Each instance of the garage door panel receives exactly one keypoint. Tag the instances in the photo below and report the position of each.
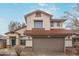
(50, 44)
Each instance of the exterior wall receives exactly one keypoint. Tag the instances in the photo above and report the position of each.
(44, 17)
(30, 24)
(28, 40)
(55, 25)
(68, 42)
(1, 43)
(28, 43)
(62, 24)
(8, 35)
(9, 40)
(21, 31)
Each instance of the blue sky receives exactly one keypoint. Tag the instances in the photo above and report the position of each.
(16, 11)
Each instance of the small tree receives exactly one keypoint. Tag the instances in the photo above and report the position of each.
(19, 25)
(14, 25)
(18, 50)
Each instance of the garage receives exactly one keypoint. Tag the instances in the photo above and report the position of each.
(55, 44)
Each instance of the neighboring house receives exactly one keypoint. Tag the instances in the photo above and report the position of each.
(42, 33)
(2, 41)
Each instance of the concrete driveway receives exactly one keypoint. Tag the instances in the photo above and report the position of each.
(29, 52)
(49, 54)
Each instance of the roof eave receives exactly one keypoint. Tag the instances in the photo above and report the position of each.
(36, 11)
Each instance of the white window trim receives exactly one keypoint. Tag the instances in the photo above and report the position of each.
(39, 26)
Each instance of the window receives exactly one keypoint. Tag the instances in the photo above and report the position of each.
(52, 24)
(38, 14)
(23, 42)
(29, 43)
(58, 24)
(13, 42)
(75, 42)
(38, 24)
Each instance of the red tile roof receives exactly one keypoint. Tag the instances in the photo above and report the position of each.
(58, 20)
(40, 32)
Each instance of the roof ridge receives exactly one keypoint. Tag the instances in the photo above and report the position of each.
(36, 11)
(19, 28)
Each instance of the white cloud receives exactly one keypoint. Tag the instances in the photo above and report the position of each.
(46, 10)
(73, 6)
(52, 9)
(55, 8)
(48, 7)
(42, 4)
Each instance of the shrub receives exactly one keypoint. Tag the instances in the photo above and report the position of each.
(18, 50)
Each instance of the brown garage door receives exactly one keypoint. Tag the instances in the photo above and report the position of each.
(48, 44)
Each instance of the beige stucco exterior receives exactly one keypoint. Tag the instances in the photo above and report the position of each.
(44, 17)
(18, 37)
(30, 24)
(68, 41)
(29, 43)
(21, 31)
(12, 35)
(55, 25)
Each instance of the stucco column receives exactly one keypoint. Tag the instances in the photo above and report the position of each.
(17, 41)
(68, 41)
(8, 43)
(28, 41)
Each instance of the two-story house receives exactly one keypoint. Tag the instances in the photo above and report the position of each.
(42, 33)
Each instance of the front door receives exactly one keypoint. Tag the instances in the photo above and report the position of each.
(13, 42)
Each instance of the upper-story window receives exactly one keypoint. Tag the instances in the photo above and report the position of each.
(38, 24)
(52, 24)
(58, 24)
(38, 14)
